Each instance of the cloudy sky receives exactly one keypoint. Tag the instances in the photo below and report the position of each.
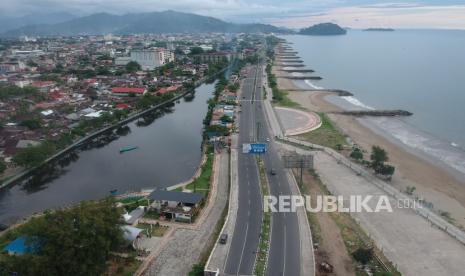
(289, 13)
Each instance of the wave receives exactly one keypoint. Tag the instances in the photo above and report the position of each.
(450, 154)
(309, 83)
(356, 102)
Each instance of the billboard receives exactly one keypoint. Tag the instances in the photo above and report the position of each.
(254, 148)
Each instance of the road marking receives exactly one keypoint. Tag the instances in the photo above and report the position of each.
(243, 247)
(284, 255)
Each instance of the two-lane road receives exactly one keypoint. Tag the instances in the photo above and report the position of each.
(244, 242)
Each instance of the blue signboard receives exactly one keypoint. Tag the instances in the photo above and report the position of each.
(254, 148)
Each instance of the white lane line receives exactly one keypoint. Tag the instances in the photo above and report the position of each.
(243, 247)
(284, 255)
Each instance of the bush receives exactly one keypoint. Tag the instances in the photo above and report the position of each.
(363, 255)
(356, 154)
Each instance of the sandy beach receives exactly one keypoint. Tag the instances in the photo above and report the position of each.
(432, 182)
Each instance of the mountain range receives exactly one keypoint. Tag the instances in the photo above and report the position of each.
(139, 23)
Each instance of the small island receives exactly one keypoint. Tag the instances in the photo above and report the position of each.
(379, 30)
(323, 29)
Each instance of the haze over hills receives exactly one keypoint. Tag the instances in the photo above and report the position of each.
(9, 23)
(153, 22)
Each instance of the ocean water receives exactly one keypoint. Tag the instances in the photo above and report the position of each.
(422, 71)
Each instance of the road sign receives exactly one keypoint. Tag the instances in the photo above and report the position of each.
(254, 148)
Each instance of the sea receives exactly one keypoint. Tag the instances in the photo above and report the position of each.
(421, 71)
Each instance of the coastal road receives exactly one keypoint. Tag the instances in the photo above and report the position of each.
(284, 256)
(244, 241)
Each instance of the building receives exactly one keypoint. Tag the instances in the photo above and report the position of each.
(178, 206)
(127, 91)
(152, 58)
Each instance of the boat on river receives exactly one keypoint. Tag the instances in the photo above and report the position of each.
(128, 148)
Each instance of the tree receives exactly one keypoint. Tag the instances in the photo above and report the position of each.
(363, 255)
(385, 170)
(75, 241)
(2, 167)
(356, 154)
(132, 67)
(378, 157)
(34, 155)
(31, 124)
(196, 50)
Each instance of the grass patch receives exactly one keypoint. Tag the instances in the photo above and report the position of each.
(263, 246)
(154, 230)
(178, 189)
(202, 183)
(327, 135)
(281, 98)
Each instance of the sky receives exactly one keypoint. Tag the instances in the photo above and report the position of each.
(286, 13)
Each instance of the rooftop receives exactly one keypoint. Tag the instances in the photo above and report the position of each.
(189, 198)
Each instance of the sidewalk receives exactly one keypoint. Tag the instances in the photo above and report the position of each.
(183, 246)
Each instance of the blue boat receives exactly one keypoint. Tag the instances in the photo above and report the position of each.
(128, 148)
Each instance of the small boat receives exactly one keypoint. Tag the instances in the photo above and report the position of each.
(128, 148)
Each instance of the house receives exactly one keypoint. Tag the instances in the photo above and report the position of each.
(134, 215)
(127, 91)
(179, 206)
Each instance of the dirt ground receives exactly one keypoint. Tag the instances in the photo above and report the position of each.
(331, 247)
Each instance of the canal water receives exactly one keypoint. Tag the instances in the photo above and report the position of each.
(168, 151)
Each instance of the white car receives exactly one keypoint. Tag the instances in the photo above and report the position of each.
(267, 139)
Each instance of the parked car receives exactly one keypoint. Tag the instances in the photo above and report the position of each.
(273, 172)
(223, 238)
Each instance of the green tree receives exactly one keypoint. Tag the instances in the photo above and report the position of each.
(34, 155)
(363, 255)
(356, 154)
(75, 241)
(2, 167)
(196, 50)
(378, 157)
(132, 67)
(31, 124)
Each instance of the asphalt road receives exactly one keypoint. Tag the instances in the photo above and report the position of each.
(244, 242)
(284, 256)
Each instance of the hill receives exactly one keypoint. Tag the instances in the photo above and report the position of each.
(323, 29)
(139, 23)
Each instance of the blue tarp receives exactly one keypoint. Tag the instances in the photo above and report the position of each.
(21, 246)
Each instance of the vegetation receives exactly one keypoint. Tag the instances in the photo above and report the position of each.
(2, 167)
(34, 155)
(202, 183)
(327, 135)
(279, 96)
(132, 67)
(378, 158)
(324, 29)
(262, 254)
(356, 154)
(75, 241)
(29, 92)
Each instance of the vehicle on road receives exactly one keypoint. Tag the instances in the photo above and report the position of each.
(273, 172)
(223, 238)
(267, 139)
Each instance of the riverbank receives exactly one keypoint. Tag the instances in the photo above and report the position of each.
(11, 180)
(432, 182)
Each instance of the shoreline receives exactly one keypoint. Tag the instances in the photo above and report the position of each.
(433, 182)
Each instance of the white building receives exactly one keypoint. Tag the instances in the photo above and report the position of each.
(152, 58)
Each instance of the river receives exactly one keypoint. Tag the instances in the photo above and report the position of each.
(169, 152)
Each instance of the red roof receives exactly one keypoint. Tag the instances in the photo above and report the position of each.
(43, 83)
(122, 105)
(168, 89)
(138, 90)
